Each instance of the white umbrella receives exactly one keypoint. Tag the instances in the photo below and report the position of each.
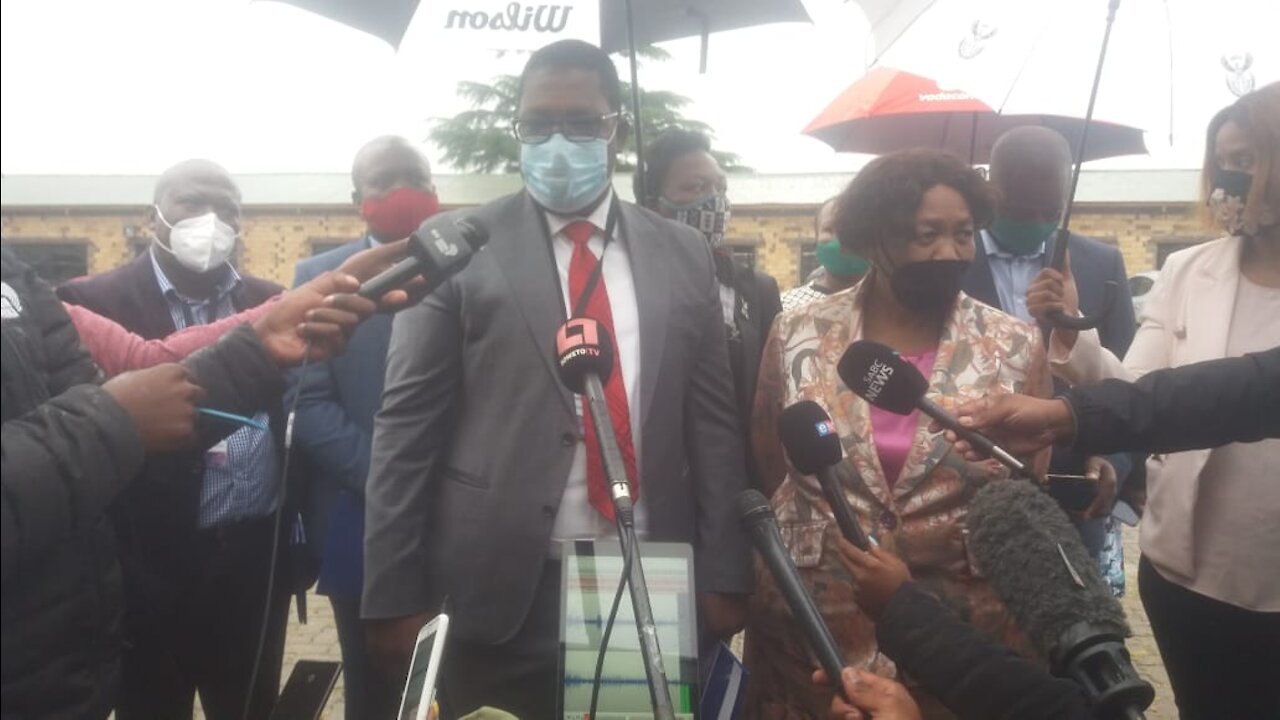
(1167, 59)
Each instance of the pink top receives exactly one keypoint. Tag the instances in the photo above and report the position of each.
(117, 350)
(894, 434)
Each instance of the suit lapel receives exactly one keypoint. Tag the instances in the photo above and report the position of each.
(645, 246)
(1212, 297)
(521, 248)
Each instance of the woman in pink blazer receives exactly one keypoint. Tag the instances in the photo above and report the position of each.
(1210, 570)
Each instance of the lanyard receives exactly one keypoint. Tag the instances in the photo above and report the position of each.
(580, 305)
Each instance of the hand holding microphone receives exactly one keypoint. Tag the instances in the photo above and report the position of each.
(1020, 423)
(440, 248)
(883, 378)
(811, 441)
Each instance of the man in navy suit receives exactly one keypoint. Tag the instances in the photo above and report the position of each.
(334, 422)
(1031, 170)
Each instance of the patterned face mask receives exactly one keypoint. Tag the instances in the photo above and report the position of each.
(1228, 199)
(709, 215)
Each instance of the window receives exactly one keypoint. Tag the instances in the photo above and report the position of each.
(55, 261)
(324, 245)
(745, 254)
(808, 260)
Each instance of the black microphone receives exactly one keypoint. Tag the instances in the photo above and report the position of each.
(813, 445)
(439, 248)
(882, 377)
(1027, 549)
(761, 525)
(584, 356)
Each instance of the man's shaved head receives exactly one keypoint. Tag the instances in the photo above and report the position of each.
(1031, 168)
(195, 171)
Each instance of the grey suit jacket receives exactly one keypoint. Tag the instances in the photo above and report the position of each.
(473, 444)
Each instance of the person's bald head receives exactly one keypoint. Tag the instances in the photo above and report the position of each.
(386, 163)
(193, 188)
(1031, 170)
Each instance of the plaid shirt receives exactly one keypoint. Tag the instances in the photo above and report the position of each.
(240, 476)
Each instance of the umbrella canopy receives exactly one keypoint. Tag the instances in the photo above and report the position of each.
(654, 20)
(1169, 59)
(888, 110)
(660, 20)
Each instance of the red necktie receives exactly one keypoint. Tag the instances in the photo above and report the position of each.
(581, 267)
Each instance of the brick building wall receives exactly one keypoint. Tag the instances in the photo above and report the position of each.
(275, 239)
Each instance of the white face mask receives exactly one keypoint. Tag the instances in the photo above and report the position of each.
(201, 243)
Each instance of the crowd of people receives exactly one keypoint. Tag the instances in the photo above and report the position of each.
(170, 482)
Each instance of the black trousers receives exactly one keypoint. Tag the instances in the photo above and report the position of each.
(368, 694)
(207, 644)
(1223, 661)
(519, 676)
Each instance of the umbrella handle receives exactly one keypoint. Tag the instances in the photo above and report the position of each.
(1110, 291)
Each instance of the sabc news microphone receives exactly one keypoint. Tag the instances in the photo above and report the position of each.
(813, 445)
(879, 375)
(762, 527)
(440, 247)
(1034, 560)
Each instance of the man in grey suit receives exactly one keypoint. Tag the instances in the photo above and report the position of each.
(481, 461)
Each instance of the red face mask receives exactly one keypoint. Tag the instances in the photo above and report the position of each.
(397, 214)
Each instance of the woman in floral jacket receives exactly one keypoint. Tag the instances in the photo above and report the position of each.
(914, 215)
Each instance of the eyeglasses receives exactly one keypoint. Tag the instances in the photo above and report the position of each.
(535, 131)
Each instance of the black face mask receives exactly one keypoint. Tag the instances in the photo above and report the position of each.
(928, 286)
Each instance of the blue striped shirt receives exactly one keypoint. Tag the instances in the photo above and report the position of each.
(240, 474)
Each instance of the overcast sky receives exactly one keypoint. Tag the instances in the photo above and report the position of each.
(132, 86)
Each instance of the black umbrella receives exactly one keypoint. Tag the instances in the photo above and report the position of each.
(624, 24)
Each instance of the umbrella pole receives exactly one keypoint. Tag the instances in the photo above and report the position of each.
(635, 102)
(659, 694)
(1064, 232)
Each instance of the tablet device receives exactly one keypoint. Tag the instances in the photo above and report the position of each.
(420, 687)
(589, 579)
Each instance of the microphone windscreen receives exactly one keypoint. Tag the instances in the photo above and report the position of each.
(809, 437)
(583, 347)
(882, 377)
(1019, 537)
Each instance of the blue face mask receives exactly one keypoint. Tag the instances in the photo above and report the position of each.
(565, 176)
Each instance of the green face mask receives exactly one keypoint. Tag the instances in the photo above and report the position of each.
(838, 263)
(1021, 237)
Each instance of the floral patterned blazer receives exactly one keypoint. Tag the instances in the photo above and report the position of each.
(921, 517)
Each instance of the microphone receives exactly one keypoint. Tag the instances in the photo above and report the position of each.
(879, 375)
(761, 525)
(439, 248)
(584, 356)
(1033, 558)
(813, 445)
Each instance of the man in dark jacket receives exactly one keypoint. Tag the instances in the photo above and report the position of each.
(1031, 169)
(197, 531)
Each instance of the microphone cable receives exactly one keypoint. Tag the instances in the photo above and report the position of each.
(275, 540)
(628, 532)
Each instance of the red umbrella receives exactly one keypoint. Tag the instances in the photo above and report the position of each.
(889, 110)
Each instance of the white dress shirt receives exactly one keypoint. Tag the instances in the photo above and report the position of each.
(576, 518)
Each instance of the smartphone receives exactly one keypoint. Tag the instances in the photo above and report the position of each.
(307, 690)
(420, 687)
(1074, 493)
